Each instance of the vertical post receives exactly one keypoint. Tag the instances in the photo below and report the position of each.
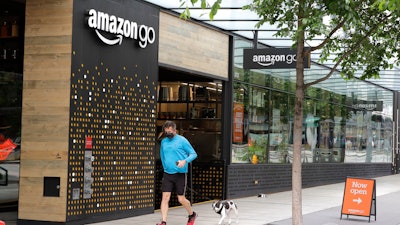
(396, 142)
(191, 182)
(255, 39)
(395, 135)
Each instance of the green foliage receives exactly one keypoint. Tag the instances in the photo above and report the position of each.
(361, 35)
(204, 5)
(391, 5)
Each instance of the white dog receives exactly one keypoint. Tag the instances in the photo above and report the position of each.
(224, 208)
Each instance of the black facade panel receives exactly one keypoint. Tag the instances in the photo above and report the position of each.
(250, 180)
(205, 182)
(51, 186)
(114, 76)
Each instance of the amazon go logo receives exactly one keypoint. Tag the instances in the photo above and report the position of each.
(120, 28)
(271, 58)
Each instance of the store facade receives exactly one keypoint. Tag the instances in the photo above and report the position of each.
(348, 129)
(93, 83)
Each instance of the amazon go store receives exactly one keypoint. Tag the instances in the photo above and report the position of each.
(87, 85)
(85, 89)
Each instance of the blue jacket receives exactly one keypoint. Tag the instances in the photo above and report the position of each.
(174, 149)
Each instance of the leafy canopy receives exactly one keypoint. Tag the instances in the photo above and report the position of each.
(358, 35)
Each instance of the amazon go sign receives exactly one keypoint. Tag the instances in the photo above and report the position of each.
(271, 58)
(119, 28)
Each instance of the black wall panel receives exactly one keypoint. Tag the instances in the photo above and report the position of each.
(112, 110)
(205, 183)
(250, 180)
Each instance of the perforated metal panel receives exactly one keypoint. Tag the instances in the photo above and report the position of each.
(115, 109)
(112, 115)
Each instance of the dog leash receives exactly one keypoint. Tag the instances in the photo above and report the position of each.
(199, 194)
(160, 170)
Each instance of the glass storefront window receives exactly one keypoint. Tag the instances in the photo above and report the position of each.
(368, 137)
(344, 121)
(253, 77)
(12, 17)
(258, 125)
(281, 127)
(10, 115)
(283, 84)
(251, 124)
(240, 124)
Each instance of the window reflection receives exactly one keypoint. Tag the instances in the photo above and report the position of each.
(258, 125)
(368, 138)
(281, 127)
(10, 115)
(344, 121)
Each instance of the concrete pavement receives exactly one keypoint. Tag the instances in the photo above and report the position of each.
(321, 206)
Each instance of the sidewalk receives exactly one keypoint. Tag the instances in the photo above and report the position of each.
(387, 214)
(321, 206)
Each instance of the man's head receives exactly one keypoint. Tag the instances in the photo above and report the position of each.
(169, 128)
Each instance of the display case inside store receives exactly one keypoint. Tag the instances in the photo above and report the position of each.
(189, 101)
(196, 109)
(11, 36)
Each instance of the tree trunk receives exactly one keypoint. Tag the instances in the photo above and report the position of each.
(297, 143)
(297, 216)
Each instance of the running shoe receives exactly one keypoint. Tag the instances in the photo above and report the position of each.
(192, 218)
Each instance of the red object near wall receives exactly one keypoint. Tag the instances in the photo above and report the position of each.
(6, 148)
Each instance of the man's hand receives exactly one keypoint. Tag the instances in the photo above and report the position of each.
(180, 163)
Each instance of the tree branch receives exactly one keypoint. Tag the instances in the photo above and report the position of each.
(338, 26)
(352, 49)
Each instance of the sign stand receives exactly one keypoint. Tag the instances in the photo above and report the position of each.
(359, 198)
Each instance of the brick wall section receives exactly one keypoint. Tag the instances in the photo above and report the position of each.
(245, 180)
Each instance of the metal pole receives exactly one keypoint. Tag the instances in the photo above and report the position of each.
(255, 39)
(191, 182)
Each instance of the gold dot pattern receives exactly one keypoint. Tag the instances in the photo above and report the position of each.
(116, 108)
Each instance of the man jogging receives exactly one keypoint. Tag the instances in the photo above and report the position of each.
(176, 153)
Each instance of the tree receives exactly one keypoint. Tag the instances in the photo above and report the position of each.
(361, 36)
(391, 5)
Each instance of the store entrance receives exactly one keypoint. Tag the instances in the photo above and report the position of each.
(194, 103)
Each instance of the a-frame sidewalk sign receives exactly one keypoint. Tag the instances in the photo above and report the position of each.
(359, 198)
